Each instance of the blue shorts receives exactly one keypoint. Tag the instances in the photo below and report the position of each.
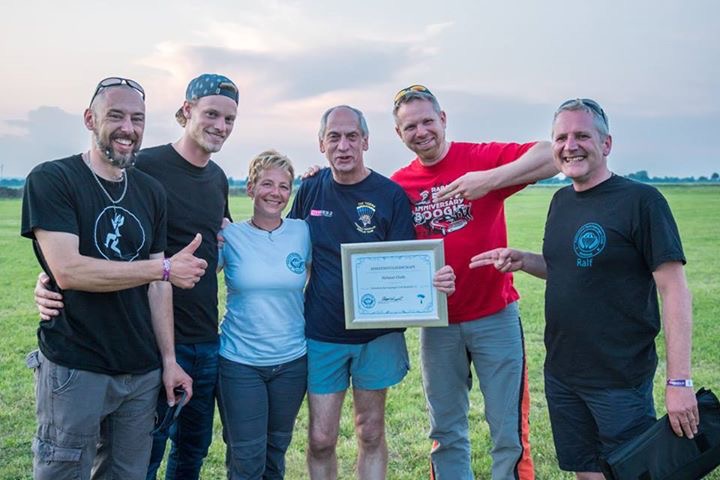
(378, 364)
(589, 422)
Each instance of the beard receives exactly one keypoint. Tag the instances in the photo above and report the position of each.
(205, 144)
(116, 159)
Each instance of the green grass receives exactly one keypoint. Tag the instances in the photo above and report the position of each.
(697, 210)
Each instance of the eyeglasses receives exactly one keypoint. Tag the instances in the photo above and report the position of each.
(114, 82)
(399, 96)
(589, 103)
(171, 414)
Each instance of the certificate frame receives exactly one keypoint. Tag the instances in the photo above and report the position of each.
(374, 292)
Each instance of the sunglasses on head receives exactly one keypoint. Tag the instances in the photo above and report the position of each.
(399, 96)
(171, 414)
(114, 82)
(589, 103)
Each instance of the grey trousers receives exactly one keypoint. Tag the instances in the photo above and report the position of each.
(92, 425)
(495, 345)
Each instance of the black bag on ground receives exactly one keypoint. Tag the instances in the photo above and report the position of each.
(659, 454)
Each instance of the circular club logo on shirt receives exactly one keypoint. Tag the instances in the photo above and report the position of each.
(119, 235)
(589, 240)
(295, 263)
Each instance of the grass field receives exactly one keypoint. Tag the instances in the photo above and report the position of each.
(697, 210)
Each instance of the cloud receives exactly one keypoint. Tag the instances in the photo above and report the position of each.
(499, 72)
(47, 133)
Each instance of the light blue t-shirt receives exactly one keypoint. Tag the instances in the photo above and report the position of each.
(265, 273)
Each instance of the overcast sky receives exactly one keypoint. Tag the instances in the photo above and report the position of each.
(499, 69)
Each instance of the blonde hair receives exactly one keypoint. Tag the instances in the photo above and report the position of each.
(267, 160)
(180, 115)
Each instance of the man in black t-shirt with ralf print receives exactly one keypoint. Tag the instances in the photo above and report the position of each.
(610, 245)
(99, 232)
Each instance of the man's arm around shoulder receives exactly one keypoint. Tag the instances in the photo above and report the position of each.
(535, 164)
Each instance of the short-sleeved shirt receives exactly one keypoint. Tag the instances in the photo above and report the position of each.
(466, 227)
(197, 200)
(601, 247)
(373, 210)
(265, 273)
(110, 332)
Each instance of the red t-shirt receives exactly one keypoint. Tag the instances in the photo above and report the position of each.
(467, 227)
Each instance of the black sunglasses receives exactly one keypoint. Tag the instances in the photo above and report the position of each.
(589, 103)
(114, 82)
(171, 414)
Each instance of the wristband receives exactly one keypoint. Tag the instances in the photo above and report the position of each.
(166, 269)
(679, 382)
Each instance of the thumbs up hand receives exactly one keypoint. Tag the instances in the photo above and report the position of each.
(185, 268)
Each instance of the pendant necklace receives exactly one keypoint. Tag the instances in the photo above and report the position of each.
(269, 232)
(124, 179)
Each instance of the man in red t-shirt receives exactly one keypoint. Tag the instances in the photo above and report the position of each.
(484, 318)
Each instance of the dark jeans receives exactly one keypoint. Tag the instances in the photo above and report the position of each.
(258, 406)
(192, 433)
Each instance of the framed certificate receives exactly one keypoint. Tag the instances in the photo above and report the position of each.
(389, 284)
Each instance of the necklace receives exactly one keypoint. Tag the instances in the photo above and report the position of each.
(252, 222)
(107, 194)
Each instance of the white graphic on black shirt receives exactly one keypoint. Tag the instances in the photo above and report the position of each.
(365, 211)
(119, 235)
(113, 238)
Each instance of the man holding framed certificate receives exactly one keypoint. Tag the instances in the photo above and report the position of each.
(349, 203)
(484, 322)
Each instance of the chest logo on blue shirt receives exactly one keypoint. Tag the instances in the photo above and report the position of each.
(365, 211)
(589, 241)
(295, 263)
(119, 235)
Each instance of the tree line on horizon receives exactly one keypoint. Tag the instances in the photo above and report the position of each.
(12, 187)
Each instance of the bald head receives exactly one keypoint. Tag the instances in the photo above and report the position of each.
(116, 117)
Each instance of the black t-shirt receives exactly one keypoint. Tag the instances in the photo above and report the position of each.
(374, 210)
(601, 307)
(109, 333)
(197, 200)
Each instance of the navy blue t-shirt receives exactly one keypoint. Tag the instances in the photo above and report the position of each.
(333, 211)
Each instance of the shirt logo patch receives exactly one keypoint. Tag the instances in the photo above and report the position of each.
(295, 263)
(115, 232)
(321, 213)
(365, 211)
(440, 217)
(589, 241)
